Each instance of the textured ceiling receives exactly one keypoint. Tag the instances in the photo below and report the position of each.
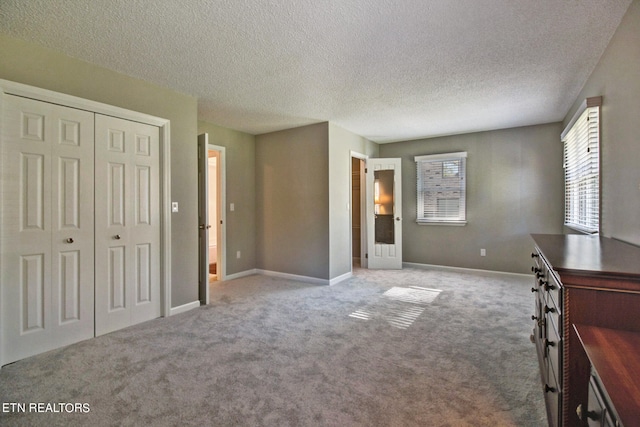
(387, 70)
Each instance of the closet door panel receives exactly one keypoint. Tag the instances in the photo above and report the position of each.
(143, 274)
(32, 191)
(32, 293)
(115, 194)
(116, 278)
(72, 180)
(127, 223)
(70, 290)
(47, 226)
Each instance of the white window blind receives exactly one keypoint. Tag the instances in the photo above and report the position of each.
(581, 141)
(441, 187)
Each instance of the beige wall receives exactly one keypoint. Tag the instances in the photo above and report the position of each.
(341, 144)
(292, 199)
(36, 66)
(617, 79)
(514, 188)
(240, 151)
(291, 188)
(303, 192)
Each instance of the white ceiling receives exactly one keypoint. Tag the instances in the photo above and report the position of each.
(387, 70)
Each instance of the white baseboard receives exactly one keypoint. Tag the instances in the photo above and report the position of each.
(461, 269)
(240, 274)
(185, 307)
(339, 279)
(306, 279)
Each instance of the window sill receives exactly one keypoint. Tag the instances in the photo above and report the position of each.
(450, 223)
(581, 229)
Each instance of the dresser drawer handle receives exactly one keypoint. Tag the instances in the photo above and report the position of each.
(592, 415)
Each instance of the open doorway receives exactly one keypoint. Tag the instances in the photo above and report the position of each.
(358, 211)
(213, 161)
(211, 215)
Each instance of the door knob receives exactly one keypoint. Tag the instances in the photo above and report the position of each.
(397, 218)
(69, 240)
(203, 227)
(117, 237)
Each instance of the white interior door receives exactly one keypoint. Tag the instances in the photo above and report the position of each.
(47, 235)
(127, 219)
(203, 218)
(384, 213)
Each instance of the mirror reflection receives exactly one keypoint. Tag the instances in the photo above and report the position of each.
(383, 206)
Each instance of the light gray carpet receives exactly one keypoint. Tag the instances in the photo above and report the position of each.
(274, 352)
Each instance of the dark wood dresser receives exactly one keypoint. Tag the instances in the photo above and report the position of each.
(582, 280)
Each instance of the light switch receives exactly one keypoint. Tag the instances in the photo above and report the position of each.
(174, 206)
(232, 207)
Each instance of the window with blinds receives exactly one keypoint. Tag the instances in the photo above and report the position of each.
(581, 141)
(441, 186)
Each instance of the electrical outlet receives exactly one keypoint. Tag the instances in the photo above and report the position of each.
(483, 252)
(238, 254)
(232, 207)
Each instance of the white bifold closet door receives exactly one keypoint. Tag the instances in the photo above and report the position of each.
(47, 243)
(127, 223)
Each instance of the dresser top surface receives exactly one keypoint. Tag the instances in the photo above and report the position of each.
(615, 358)
(580, 254)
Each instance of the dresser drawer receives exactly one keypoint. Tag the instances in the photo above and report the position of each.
(552, 315)
(597, 414)
(553, 290)
(551, 286)
(553, 352)
(552, 396)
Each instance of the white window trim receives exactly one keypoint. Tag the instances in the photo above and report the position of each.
(436, 157)
(594, 227)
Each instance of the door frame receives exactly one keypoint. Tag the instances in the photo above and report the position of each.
(363, 211)
(45, 95)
